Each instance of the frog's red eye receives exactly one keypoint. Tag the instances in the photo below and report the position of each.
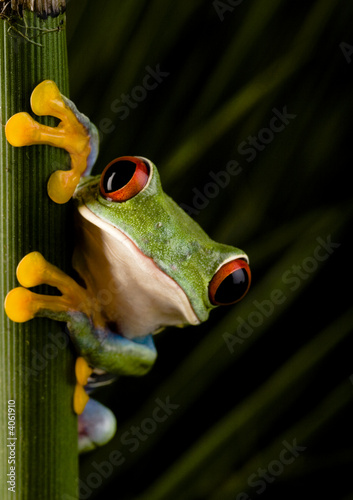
(124, 178)
(230, 283)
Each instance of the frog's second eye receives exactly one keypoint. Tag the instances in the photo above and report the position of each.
(124, 178)
(230, 283)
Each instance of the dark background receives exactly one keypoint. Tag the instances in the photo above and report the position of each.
(228, 68)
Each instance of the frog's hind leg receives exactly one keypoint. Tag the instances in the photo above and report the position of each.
(98, 346)
(96, 426)
(75, 133)
(22, 305)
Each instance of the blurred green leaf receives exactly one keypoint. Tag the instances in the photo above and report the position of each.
(291, 376)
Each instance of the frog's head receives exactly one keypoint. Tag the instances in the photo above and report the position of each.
(153, 264)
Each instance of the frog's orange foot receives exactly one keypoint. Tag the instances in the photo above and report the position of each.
(75, 133)
(22, 305)
(19, 305)
(82, 371)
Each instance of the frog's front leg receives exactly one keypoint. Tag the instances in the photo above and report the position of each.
(97, 346)
(75, 133)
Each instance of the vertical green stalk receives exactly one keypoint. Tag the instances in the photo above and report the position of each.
(36, 365)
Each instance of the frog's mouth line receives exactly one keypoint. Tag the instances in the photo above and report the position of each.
(145, 298)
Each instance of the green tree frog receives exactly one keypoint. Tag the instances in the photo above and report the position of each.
(143, 263)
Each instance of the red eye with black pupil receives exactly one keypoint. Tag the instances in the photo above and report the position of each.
(124, 178)
(230, 283)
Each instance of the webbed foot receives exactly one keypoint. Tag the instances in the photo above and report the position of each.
(75, 133)
(22, 305)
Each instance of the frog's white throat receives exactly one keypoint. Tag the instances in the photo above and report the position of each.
(134, 294)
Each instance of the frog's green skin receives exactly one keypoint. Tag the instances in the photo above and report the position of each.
(145, 265)
(161, 232)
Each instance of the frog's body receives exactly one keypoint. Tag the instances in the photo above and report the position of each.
(143, 263)
(137, 285)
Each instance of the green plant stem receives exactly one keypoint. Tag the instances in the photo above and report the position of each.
(36, 365)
